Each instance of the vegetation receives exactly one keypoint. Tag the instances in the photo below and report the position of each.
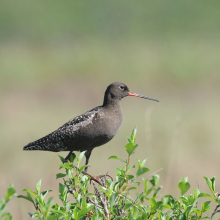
(9, 194)
(57, 58)
(112, 198)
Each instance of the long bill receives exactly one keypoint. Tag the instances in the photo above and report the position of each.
(141, 96)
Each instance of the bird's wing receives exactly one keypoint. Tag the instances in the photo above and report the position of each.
(55, 141)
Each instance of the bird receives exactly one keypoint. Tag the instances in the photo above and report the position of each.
(91, 129)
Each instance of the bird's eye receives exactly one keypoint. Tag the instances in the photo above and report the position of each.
(121, 87)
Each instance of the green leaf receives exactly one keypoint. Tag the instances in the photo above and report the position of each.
(84, 211)
(31, 192)
(182, 217)
(67, 166)
(62, 188)
(156, 192)
(141, 164)
(127, 205)
(130, 147)
(72, 157)
(141, 171)
(205, 195)
(59, 212)
(129, 177)
(116, 158)
(7, 216)
(107, 193)
(62, 159)
(79, 158)
(135, 212)
(152, 202)
(69, 174)
(76, 213)
(28, 197)
(211, 184)
(60, 175)
(45, 208)
(132, 188)
(83, 167)
(189, 208)
(113, 199)
(183, 187)
(155, 179)
(198, 212)
(90, 194)
(206, 206)
(37, 187)
(10, 193)
(185, 179)
(44, 193)
(128, 139)
(196, 193)
(48, 201)
(133, 135)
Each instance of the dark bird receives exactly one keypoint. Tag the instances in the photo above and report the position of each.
(91, 129)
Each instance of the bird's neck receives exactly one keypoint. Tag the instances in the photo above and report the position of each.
(110, 101)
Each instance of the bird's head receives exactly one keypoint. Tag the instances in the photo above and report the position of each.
(116, 91)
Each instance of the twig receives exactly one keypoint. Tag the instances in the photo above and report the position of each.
(69, 189)
(85, 173)
(123, 202)
(155, 172)
(104, 184)
(134, 202)
(93, 202)
(125, 189)
(102, 202)
(197, 184)
(120, 210)
(38, 208)
(215, 211)
(129, 157)
(197, 201)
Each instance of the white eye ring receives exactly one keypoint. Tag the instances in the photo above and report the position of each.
(121, 87)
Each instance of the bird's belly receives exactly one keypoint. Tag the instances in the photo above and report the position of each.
(96, 134)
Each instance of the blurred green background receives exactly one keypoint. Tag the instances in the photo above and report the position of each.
(58, 57)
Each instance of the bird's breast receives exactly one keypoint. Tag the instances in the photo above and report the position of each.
(101, 128)
(112, 122)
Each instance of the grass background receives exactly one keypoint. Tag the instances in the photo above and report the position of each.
(58, 57)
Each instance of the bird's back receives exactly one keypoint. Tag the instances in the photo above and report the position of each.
(84, 132)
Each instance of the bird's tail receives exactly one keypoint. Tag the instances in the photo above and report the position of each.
(47, 143)
(46, 146)
(32, 147)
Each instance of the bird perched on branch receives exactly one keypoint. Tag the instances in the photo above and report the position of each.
(90, 129)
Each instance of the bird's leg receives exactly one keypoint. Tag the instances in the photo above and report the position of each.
(68, 156)
(94, 178)
(87, 155)
(87, 160)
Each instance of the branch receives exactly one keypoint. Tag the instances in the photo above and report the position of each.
(134, 201)
(215, 211)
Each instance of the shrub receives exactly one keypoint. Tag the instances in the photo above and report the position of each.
(9, 194)
(111, 198)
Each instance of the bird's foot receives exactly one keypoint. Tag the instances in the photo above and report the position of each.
(96, 178)
(92, 178)
(67, 161)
